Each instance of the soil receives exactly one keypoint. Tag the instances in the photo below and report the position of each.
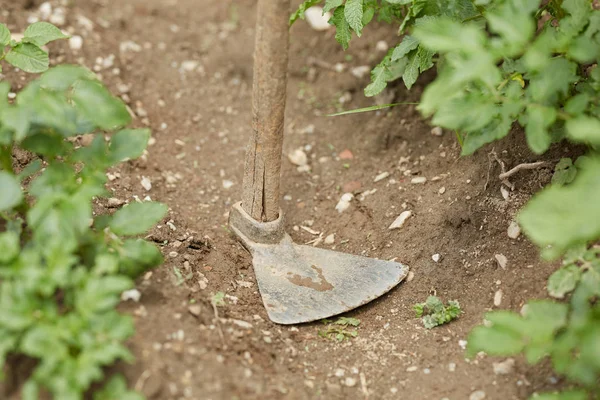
(190, 80)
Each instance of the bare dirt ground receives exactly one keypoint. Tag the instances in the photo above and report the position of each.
(185, 69)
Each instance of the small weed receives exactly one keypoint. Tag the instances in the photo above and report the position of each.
(218, 299)
(340, 329)
(434, 313)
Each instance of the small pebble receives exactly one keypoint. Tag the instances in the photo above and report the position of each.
(412, 369)
(504, 192)
(436, 257)
(227, 184)
(442, 190)
(410, 276)
(318, 20)
(477, 395)
(195, 309)
(75, 42)
(452, 367)
(381, 176)
(501, 260)
(350, 382)
(339, 372)
(361, 71)
(382, 46)
(437, 131)
(344, 202)
(505, 367)
(346, 155)
(298, 157)
(399, 222)
(330, 239)
(146, 183)
(514, 230)
(132, 294)
(498, 298)
(418, 180)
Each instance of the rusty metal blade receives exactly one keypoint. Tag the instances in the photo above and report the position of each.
(302, 283)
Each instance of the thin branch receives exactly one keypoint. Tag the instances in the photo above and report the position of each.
(508, 174)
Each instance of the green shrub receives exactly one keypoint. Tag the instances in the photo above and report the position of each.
(501, 63)
(63, 267)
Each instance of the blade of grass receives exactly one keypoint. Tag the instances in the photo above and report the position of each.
(367, 109)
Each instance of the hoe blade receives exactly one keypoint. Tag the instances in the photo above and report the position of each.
(303, 283)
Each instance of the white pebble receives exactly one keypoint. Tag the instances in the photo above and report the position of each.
(75, 42)
(350, 382)
(462, 344)
(330, 239)
(437, 131)
(361, 71)
(504, 192)
(316, 19)
(436, 257)
(410, 276)
(344, 202)
(132, 294)
(418, 180)
(298, 157)
(501, 260)
(477, 395)
(442, 190)
(399, 222)
(452, 367)
(381, 176)
(340, 372)
(146, 183)
(505, 367)
(382, 46)
(412, 369)
(227, 184)
(514, 230)
(498, 298)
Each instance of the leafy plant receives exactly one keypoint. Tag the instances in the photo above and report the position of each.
(63, 266)
(502, 63)
(434, 313)
(28, 53)
(339, 330)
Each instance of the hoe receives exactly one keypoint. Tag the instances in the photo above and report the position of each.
(297, 283)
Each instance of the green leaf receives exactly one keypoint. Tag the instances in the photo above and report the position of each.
(584, 129)
(567, 395)
(11, 194)
(137, 218)
(367, 109)
(497, 341)
(564, 172)
(9, 246)
(128, 144)
(342, 29)
(101, 294)
(218, 299)
(41, 33)
(513, 23)
(30, 390)
(299, 13)
(116, 389)
(353, 12)
(384, 72)
(577, 104)
(539, 119)
(28, 57)
(497, 129)
(17, 119)
(408, 43)
(444, 34)
(331, 4)
(96, 103)
(553, 81)
(563, 281)
(62, 77)
(138, 256)
(4, 37)
(411, 73)
(559, 216)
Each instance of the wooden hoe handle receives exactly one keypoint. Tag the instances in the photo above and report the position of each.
(260, 197)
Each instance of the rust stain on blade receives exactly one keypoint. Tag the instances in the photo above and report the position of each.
(321, 285)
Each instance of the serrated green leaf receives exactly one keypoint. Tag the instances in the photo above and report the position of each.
(28, 57)
(383, 73)
(552, 81)
(11, 194)
(444, 34)
(101, 294)
(128, 144)
(96, 103)
(411, 72)
(368, 14)
(513, 22)
(353, 13)
(137, 218)
(408, 43)
(539, 119)
(4, 37)
(563, 281)
(41, 33)
(17, 119)
(559, 216)
(331, 4)
(342, 29)
(584, 129)
(564, 172)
